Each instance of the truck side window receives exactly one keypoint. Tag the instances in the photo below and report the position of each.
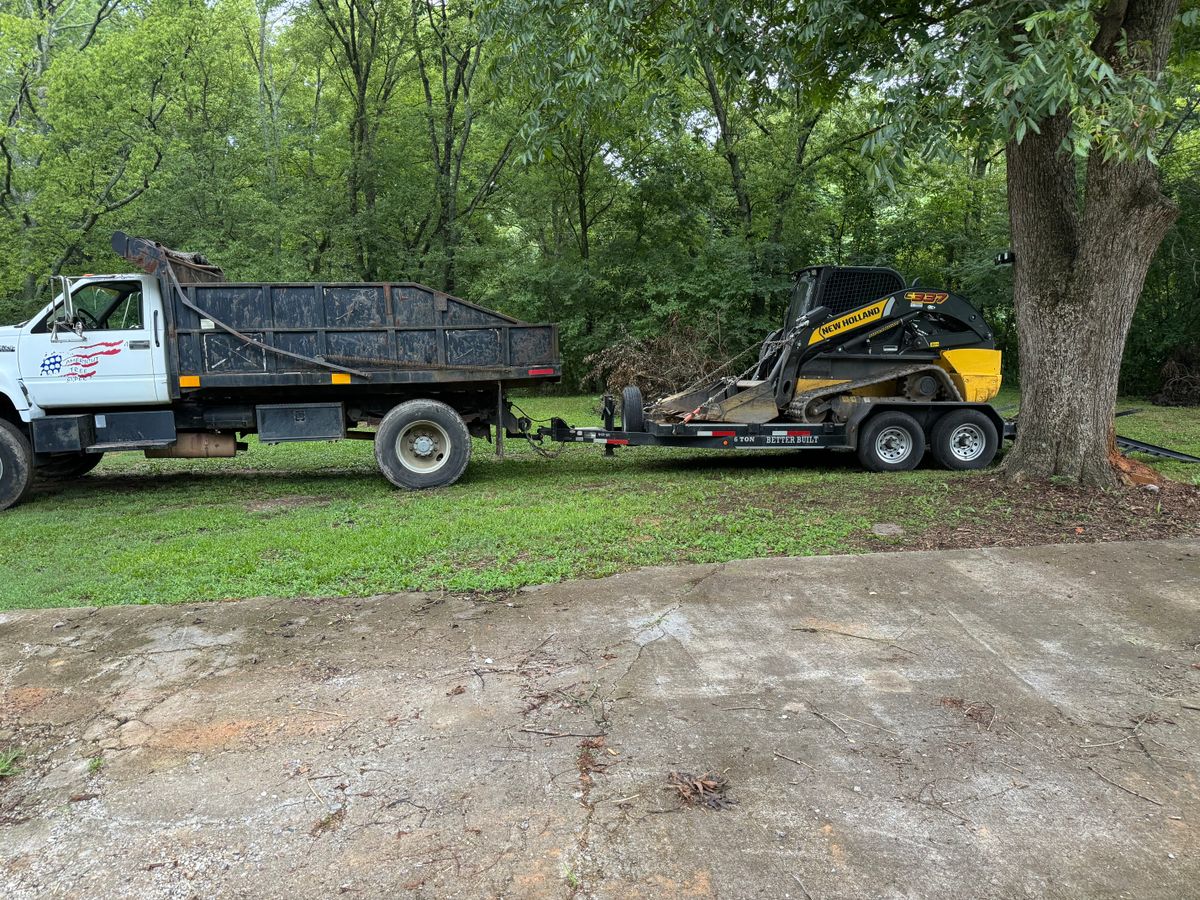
(113, 306)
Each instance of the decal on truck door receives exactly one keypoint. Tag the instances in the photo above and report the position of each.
(83, 362)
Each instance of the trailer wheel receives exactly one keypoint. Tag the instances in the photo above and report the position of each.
(67, 467)
(16, 465)
(891, 442)
(964, 439)
(633, 413)
(422, 444)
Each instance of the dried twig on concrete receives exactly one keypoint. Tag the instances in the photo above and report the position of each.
(320, 799)
(868, 724)
(1122, 787)
(798, 762)
(561, 734)
(850, 634)
(825, 718)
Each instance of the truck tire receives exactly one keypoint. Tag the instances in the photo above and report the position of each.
(964, 439)
(16, 465)
(422, 444)
(891, 442)
(633, 413)
(67, 467)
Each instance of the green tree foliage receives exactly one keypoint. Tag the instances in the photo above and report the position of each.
(610, 166)
(1077, 94)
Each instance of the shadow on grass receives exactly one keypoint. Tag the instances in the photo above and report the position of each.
(631, 467)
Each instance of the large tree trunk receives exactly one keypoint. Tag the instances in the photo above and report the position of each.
(1077, 283)
(1082, 253)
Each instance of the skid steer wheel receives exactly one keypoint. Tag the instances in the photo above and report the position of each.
(16, 465)
(422, 444)
(633, 414)
(67, 467)
(964, 439)
(891, 442)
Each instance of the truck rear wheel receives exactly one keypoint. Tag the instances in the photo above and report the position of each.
(67, 467)
(16, 465)
(422, 444)
(891, 442)
(964, 439)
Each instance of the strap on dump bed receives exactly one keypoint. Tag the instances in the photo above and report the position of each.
(156, 259)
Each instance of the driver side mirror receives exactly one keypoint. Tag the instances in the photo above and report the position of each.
(64, 325)
(65, 320)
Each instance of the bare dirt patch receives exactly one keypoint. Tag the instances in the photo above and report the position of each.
(1025, 515)
(987, 511)
(23, 700)
(283, 504)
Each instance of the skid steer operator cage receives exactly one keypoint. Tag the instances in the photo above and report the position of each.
(841, 289)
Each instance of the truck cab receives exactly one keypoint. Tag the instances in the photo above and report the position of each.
(99, 344)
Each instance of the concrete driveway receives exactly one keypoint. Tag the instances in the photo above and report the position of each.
(953, 724)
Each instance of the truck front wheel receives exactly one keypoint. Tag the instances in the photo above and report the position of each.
(67, 467)
(422, 444)
(16, 465)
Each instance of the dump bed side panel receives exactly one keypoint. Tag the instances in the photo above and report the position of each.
(393, 333)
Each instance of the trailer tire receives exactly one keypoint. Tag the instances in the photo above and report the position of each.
(67, 467)
(422, 444)
(891, 442)
(16, 465)
(633, 412)
(964, 439)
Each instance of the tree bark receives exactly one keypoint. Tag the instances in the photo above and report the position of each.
(729, 150)
(1083, 245)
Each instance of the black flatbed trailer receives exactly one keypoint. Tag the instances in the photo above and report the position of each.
(799, 436)
(783, 435)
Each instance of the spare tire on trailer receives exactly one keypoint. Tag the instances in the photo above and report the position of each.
(633, 413)
(422, 444)
(16, 465)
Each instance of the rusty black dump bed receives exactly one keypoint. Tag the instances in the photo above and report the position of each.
(227, 334)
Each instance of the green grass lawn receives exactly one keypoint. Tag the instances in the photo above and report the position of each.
(318, 519)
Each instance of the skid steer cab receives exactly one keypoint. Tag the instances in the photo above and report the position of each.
(176, 361)
(860, 363)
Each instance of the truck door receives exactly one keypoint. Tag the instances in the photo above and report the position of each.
(114, 355)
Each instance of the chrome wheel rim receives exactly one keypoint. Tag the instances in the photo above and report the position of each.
(967, 442)
(893, 444)
(423, 447)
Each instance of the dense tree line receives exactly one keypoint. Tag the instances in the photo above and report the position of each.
(427, 140)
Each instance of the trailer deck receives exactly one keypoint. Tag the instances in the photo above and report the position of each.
(749, 436)
(782, 435)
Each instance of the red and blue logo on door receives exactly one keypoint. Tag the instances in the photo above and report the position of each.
(83, 362)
